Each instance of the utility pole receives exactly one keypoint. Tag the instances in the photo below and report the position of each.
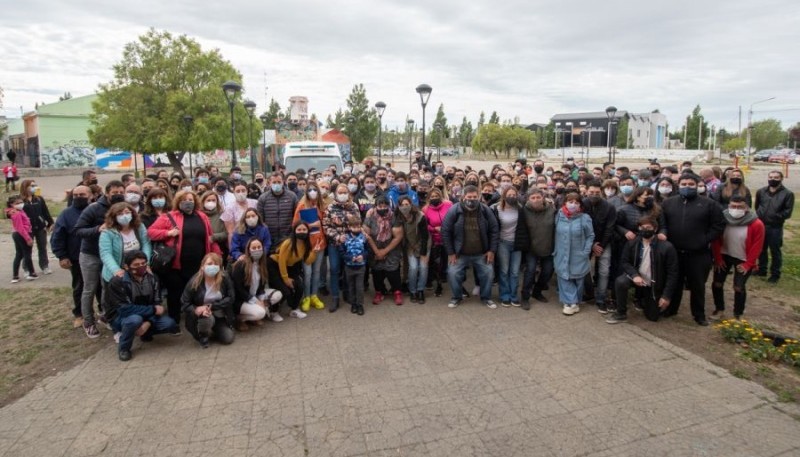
(740, 120)
(700, 133)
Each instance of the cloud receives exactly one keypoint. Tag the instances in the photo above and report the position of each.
(520, 58)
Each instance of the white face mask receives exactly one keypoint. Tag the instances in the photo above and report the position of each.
(241, 196)
(736, 213)
(665, 190)
(312, 194)
(210, 206)
(572, 207)
(19, 206)
(186, 188)
(342, 198)
(610, 192)
(251, 221)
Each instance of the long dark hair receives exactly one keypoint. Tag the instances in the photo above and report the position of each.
(247, 262)
(293, 239)
(414, 209)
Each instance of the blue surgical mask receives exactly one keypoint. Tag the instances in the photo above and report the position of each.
(124, 219)
(626, 189)
(211, 270)
(276, 188)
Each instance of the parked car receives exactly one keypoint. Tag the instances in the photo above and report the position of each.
(784, 156)
(763, 155)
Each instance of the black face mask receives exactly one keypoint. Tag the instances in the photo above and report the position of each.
(80, 202)
(221, 189)
(260, 180)
(736, 181)
(449, 176)
(649, 202)
(538, 170)
(116, 198)
(93, 182)
(422, 195)
(301, 236)
(436, 201)
(472, 183)
(487, 196)
(560, 190)
(471, 204)
(647, 234)
(382, 211)
(381, 180)
(774, 182)
(292, 185)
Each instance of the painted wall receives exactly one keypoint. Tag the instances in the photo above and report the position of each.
(63, 142)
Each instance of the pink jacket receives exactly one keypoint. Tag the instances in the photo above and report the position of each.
(435, 217)
(20, 223)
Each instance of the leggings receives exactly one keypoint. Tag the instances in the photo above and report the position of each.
(22, 255)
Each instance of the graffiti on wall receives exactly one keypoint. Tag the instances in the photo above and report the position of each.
(76, 153)
(286, 132)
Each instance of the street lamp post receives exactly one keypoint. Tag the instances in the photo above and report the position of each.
(611, 113)
(380, 107)
(187, 122)
(750, 124)
(231, 88)
(250, 106)
(424, 92)
(410, 128)
(264, 119)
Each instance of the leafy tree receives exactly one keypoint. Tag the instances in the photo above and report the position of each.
(160, 79)
(794, 132)
(734, 144)
(361, 122)
(437, 136)
(273, 113)
(694, 124)
(495, 138)
(481, 119)
(766, 134)
(494, 118)
(622, 138)
(465, 132)
(66, 96)
(547, 139)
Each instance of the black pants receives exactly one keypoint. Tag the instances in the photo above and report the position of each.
(354, 277)
(291, 296)
(213, 326)
(378, 277)
(773, 242)
(13, 183)
(646, 297)
(437, 269)
(40, 236)
(739, 285)
(23, 254)
(175, 282)
(693, 270)
(77, 287)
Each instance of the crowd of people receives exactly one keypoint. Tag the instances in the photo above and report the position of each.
(224, 255)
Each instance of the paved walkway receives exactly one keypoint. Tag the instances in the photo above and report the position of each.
(411, 380)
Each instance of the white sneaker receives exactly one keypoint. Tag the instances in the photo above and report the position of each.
(476, 291)
(575, 308)
(116, 337)
(568, 310)
(490, 304)
(276, 317)
(31, 277)
(14, 280)
(298, 314)
(47, 271)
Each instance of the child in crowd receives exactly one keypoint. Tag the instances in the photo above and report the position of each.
(21, 234)
(354, 251)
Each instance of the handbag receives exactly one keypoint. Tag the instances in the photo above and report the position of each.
(163, 253)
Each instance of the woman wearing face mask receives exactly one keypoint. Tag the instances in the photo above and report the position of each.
(641, 203)
(250, 226)
(613, 195)
(416, 243)
(334, 223)
(734, 185)
(384, 234)
(213, 210)
(124, 233)
(455, 190)
(187, 229)
(325, 192)
(175, 182)
(665, 189)
(353, 186)
(233, 213)
(186, 185)
(286, 267)
(154, 206)
(41, 221)
(573, 246)
(434, 212)
(249, 277)
(310, 207)
(507, 212)
(207, 303)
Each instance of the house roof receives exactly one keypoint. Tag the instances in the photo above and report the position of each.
(76, 106)
(584, 116)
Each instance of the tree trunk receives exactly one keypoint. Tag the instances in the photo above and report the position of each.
(175, 159)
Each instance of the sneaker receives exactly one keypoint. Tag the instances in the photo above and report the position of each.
(516, 303)
(316, 302)
(125, 355)
(505, 303)
(14, 280)
(91, 331)
(116, 337)
(398, 298)
(717, 315)
(438, 291)
(77, 322)
(616, 318)
(575, 308)
(102, 319)
(702, 322)
(276, 317)
(360, 310)
(298, 314)
(602, 309)
(412, 297)
(490, 304)
(305, 305)
(526, 304)
(454, 303)
(570, 309)
(539, 297)
(47, 271)
(31, 277)
(378, 298)
(421, 298)
(476, 290)
(773, 279)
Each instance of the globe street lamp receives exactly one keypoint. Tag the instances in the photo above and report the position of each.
(611, 112)
(187, 122)
(380, 107)
(231, 88)
(424, 92)
(264, 119)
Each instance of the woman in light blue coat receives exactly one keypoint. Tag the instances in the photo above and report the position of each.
(573, 248)
(124, 232)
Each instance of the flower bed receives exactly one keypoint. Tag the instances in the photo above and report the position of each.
(757, 346)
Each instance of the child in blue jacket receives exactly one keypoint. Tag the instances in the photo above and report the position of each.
(354, 253)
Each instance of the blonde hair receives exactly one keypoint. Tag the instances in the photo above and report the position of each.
(200, 275)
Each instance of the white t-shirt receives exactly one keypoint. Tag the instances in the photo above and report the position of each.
(130, 242)
(233, 213)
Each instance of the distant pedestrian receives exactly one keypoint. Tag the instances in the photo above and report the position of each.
(12, 156)
(10, 173)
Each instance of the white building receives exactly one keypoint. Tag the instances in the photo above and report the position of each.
(647, 131)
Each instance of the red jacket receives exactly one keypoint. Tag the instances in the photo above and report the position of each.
(752, 245)
(162, 225)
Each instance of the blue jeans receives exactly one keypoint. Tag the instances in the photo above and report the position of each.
(312, 275)
(508, 261)
(335, 268)
(91, 267)
(417, 273)
(773, 241)
(532, 261)
(129, 324)
(456, 274)
(570, 291)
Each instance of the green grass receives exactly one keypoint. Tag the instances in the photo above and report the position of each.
(740, 373)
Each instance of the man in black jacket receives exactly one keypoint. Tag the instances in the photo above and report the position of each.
(604, 223)
(692, 224)
(535, 236)
(649, 265)
(66, 246)
(774, 205)
(276, 207)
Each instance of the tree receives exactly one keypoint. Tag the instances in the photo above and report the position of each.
(623, 138)
(766, 134)
(438, 135)
(494, 118)
(465, 132)
(160, 79)
(361, 122)
(497, 138)
(734, 144)
(273, 113)
(693, 124)
(547, 139)
(481, 119)
(66, 96)
(794, 132)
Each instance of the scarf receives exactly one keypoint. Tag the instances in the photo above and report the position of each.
(384, 226)
(747, 219)
(568, 213)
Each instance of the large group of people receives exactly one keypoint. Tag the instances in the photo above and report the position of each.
(223, 255)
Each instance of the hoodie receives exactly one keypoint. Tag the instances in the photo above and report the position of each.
(753, 242)
(20, 223)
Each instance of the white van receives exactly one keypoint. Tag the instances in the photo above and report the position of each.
(312, 154)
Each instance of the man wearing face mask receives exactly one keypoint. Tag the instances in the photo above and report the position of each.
(401, 189)
(133, 196)
(649, 265)
(738, 248)
(235, 177)
(276, 207)
(66, 246)
(470, 235)
(291, 184)
(604, 222)
(88, 227)
(535, 237)
(774, 205)
(225, 196)
(691, 225)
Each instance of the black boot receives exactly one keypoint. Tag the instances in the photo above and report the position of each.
(421, 297)
(353, 309)
(360, 310)
(335, 305)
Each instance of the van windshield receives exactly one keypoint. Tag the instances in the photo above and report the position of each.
(307, 162)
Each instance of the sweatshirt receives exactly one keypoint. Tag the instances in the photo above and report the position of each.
(20, 223)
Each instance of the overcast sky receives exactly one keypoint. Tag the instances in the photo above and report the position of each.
(530, 59)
